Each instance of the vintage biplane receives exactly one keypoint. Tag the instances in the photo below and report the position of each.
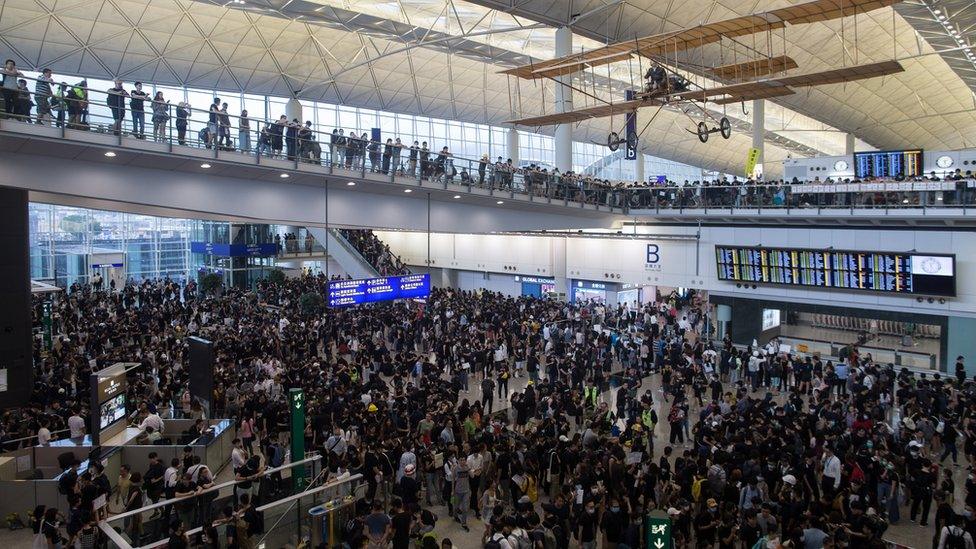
(756, 72)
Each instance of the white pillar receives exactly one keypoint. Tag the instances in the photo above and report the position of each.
(759, 130)
(563, 141)
(639, 167)
(513, 146)
(849, 145)
(293, 110)
(558, 261)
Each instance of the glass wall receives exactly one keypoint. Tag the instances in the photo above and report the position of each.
(464, 139)
(62, 238)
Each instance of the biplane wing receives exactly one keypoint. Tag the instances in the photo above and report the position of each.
(755, 69)
(693, 37)
(578, 115)
(723, 95)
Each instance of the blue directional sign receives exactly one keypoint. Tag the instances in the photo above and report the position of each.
(343, 293)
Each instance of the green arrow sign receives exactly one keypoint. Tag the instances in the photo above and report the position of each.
(296, 403)
(658, 530)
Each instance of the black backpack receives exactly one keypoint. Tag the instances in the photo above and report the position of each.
(956, 538)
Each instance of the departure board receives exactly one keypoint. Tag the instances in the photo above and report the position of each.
(888, 163)
(893, 272)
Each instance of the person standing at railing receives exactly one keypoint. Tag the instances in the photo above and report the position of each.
(338, 147)
(482, 168)
(10, 91)
(160, 117)
(277, 132)
(412, 159)
(244, 132)
(77, 99)
(374, 154)
(352, 146)
(182, 117)
(223, 129)
(397, 148)
(42, 96)
(387, 155)
(264, 140)
(116, 103)
(424, 160)
(291, 139)
(137, 104)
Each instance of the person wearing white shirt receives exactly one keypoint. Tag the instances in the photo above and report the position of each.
(152, 420)
(238, 456)
(831, 471)
(76, 424)
(955, 532)
(44, 434)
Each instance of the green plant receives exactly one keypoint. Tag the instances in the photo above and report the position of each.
(211, 283)
(276, 276)
(311, 303)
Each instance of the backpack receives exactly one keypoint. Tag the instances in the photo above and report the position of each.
(544, 536)
(520, 540)
(956, 538)
(492, 542)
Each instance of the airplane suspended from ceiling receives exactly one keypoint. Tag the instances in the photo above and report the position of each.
(751, 74)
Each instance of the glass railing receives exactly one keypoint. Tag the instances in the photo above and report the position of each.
(149, 525)
(234, 138)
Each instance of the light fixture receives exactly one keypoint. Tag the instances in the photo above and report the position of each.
(937, 12)
(205, 166)
(408, 190)
(457, 196)
(110, 154)
(500, 202)
(351, 184)
(284, 176)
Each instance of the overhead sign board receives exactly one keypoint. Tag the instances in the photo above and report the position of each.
(343, 293)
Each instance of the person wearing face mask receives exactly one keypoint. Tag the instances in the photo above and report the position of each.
(706, 523)
(614, 524)
(586, 526)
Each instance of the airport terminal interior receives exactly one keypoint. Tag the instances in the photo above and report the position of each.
(487, 274)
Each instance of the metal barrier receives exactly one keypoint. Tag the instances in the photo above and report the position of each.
(79, 108)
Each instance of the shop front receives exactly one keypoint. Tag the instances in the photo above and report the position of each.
(535, 286)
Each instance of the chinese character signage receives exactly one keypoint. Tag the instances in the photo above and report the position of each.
(343, 293)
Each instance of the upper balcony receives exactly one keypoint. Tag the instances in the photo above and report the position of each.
(280, 154)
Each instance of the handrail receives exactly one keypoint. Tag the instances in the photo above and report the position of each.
(549, 187)
(214, 488)
(6, 442)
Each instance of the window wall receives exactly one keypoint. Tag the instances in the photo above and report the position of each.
(62, 238)
(464, 140)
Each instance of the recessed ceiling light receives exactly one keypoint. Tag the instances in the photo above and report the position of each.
(284, 176)
(457, 196)
(937, 12)
(110, 154)
(408, 190)
(500, 202)
(351, 183)
(205, 166)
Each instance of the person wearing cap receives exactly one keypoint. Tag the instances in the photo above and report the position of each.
(408, 487)
(706, 524)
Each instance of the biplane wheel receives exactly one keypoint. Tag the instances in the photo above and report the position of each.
(613, 141)
(632, 141)
(703, 132)
(725, 127)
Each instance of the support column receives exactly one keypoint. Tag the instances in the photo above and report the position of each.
(558, 262)
(563, 141)
(849, 145)
(293, 110)
(513, 146)
(639, 167)
(759, 131)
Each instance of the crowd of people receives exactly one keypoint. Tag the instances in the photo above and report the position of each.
(355, 150)
(741, 446)
(376, 252)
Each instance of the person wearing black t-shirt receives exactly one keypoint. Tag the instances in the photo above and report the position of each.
(402, 521)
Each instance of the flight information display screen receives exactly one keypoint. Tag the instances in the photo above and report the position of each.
(906, 163)
(894, 272)
(342, 293)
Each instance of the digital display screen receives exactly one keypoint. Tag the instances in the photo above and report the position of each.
(888, 163)
(111, 410)
(343, 293)
(893, 272)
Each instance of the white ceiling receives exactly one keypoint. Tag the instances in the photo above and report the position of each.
(434, 57)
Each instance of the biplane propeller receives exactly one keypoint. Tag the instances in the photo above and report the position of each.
(760, 77)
